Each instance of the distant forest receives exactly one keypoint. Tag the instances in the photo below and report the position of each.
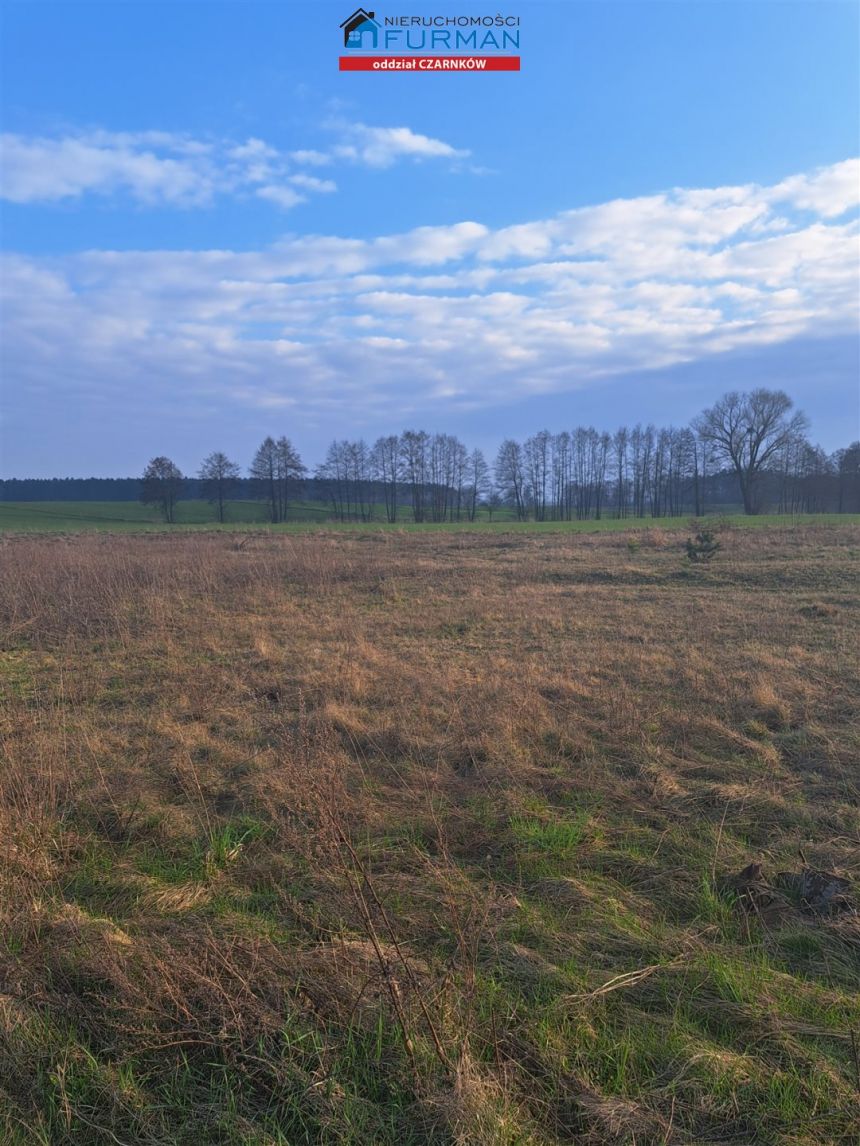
(356, 499)
(748, 451)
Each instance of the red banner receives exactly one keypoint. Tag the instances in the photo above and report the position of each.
(429, 63)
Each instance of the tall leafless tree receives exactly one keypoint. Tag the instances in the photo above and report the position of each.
(264, 475)
(385, 469)
(747, 431)
(414, 449)
(510, 475)
(276, 466)
(847, 464)
(218, 477)
(162, 487)
(478, 483)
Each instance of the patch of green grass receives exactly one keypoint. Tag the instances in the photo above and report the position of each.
(130, 516)
(181, 863)
(16, 674)
(199, 858)
(719, 909)
(545, 844)
(559, 838)
(226, 843)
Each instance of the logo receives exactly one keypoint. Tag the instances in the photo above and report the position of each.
(360, 30)
(457, 43)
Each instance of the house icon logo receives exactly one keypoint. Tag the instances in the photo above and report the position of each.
(360, 30)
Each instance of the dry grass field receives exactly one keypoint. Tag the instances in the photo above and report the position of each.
(399, 838)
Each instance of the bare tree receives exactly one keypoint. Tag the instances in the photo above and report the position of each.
(162, 486)
(414, 448)
(264, 475)
(562, 476)
(290, 469)
(276, 466)
(621, 442)
(493, 502)
(748, 430)
(218, 477)
(847, 465)
(478, 484)
(385, 469)
(601, 465)
(510, 475)
(536, 460)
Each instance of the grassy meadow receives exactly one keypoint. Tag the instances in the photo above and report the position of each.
(132, 517)
(379, 836)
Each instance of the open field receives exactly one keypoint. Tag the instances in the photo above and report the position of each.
(132, 517)
(391, 837)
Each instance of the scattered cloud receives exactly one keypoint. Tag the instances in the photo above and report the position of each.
(254, 149)
(153, 167)
(829, 191)
(311, 183)
(313, 158)
(384, 146)
(162, 168)
(284, 197)
(460, 314)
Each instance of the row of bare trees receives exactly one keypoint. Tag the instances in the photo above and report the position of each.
(634, 472)
(434, 475)
(748, 446)
(274, 473)
(751, 446)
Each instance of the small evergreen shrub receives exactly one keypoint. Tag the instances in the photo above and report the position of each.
(703, 547)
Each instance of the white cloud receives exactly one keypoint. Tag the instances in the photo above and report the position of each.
(156, 167)
(48, 169)
(311, 183)
(829, 191)
(482, 315)
(254, 149)
(284, 197)
(383, 146)
(314, 158)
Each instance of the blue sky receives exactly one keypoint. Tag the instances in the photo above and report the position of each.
(211, 234)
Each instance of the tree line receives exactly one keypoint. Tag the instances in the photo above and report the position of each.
(751, 449)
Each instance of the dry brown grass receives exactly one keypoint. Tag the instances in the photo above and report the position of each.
(349, 837)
